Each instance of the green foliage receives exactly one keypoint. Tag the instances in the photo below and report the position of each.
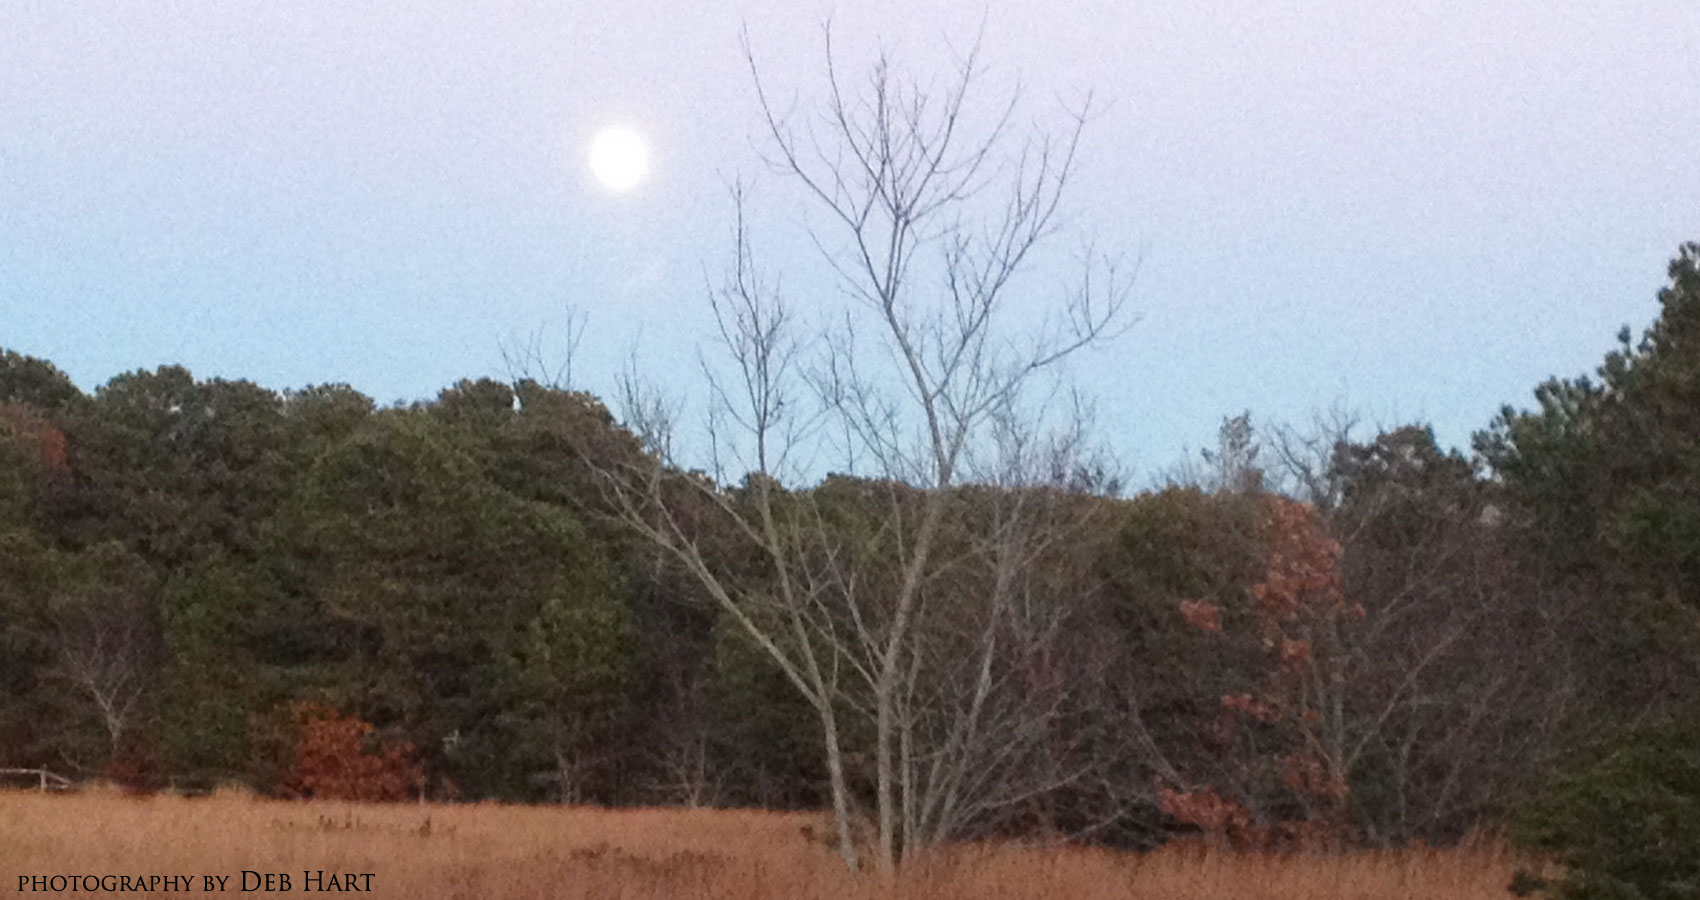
(1605, 475)
(1183, 543)
(771, 742)
(93, 636)
(450, 571)
(36, 383)
(28, 573)
(571, 672)
(1605, 480)
(1177, 546)
(180, 469)
(1609, 467)
(1623, 818)
(216, 622)
(483, 626)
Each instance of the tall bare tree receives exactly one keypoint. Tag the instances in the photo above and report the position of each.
(903, 604)
(103, 636)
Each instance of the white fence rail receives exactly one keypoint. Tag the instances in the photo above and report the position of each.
(45, 780)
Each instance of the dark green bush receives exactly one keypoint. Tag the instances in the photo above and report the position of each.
(1622, 819)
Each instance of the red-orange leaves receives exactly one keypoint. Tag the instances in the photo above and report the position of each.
(1205, 810)
(35, 432)
(1202, 614)
(1304, 564)
(1251, 706)
(335, 760)
(1305, 774)
(1295, 654)
(1281, 749)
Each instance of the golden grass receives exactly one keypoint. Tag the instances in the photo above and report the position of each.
(490, 851)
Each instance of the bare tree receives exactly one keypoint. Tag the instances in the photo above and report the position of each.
(1304, 456)
(525, 359)
(1444, 684)
(104, 644)
(1459, 680)
(903, 605)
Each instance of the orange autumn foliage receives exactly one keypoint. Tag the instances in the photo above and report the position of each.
(1203, 615)
(36, 433)
(1300, 596)
(336, 759)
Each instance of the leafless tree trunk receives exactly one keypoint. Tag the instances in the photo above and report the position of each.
(933, 632)
(681, 751)
(1448, 673)
(104, 647)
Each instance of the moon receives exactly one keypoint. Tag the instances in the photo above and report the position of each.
(619, 158)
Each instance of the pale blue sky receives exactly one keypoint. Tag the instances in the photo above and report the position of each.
(1418, 209)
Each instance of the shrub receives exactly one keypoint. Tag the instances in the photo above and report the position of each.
(1622, 820)
(337, 759)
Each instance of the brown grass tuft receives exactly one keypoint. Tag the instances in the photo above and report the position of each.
(493, 851)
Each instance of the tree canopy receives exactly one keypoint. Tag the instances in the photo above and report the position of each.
(205, 580)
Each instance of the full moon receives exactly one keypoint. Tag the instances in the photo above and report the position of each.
(619, 158)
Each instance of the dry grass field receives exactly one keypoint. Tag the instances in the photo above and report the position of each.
(489, 851)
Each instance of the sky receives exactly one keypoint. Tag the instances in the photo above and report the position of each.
(1416, 210)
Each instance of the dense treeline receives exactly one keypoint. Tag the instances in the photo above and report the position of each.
(1318, 638)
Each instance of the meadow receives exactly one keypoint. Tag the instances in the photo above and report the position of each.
(492, 851)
